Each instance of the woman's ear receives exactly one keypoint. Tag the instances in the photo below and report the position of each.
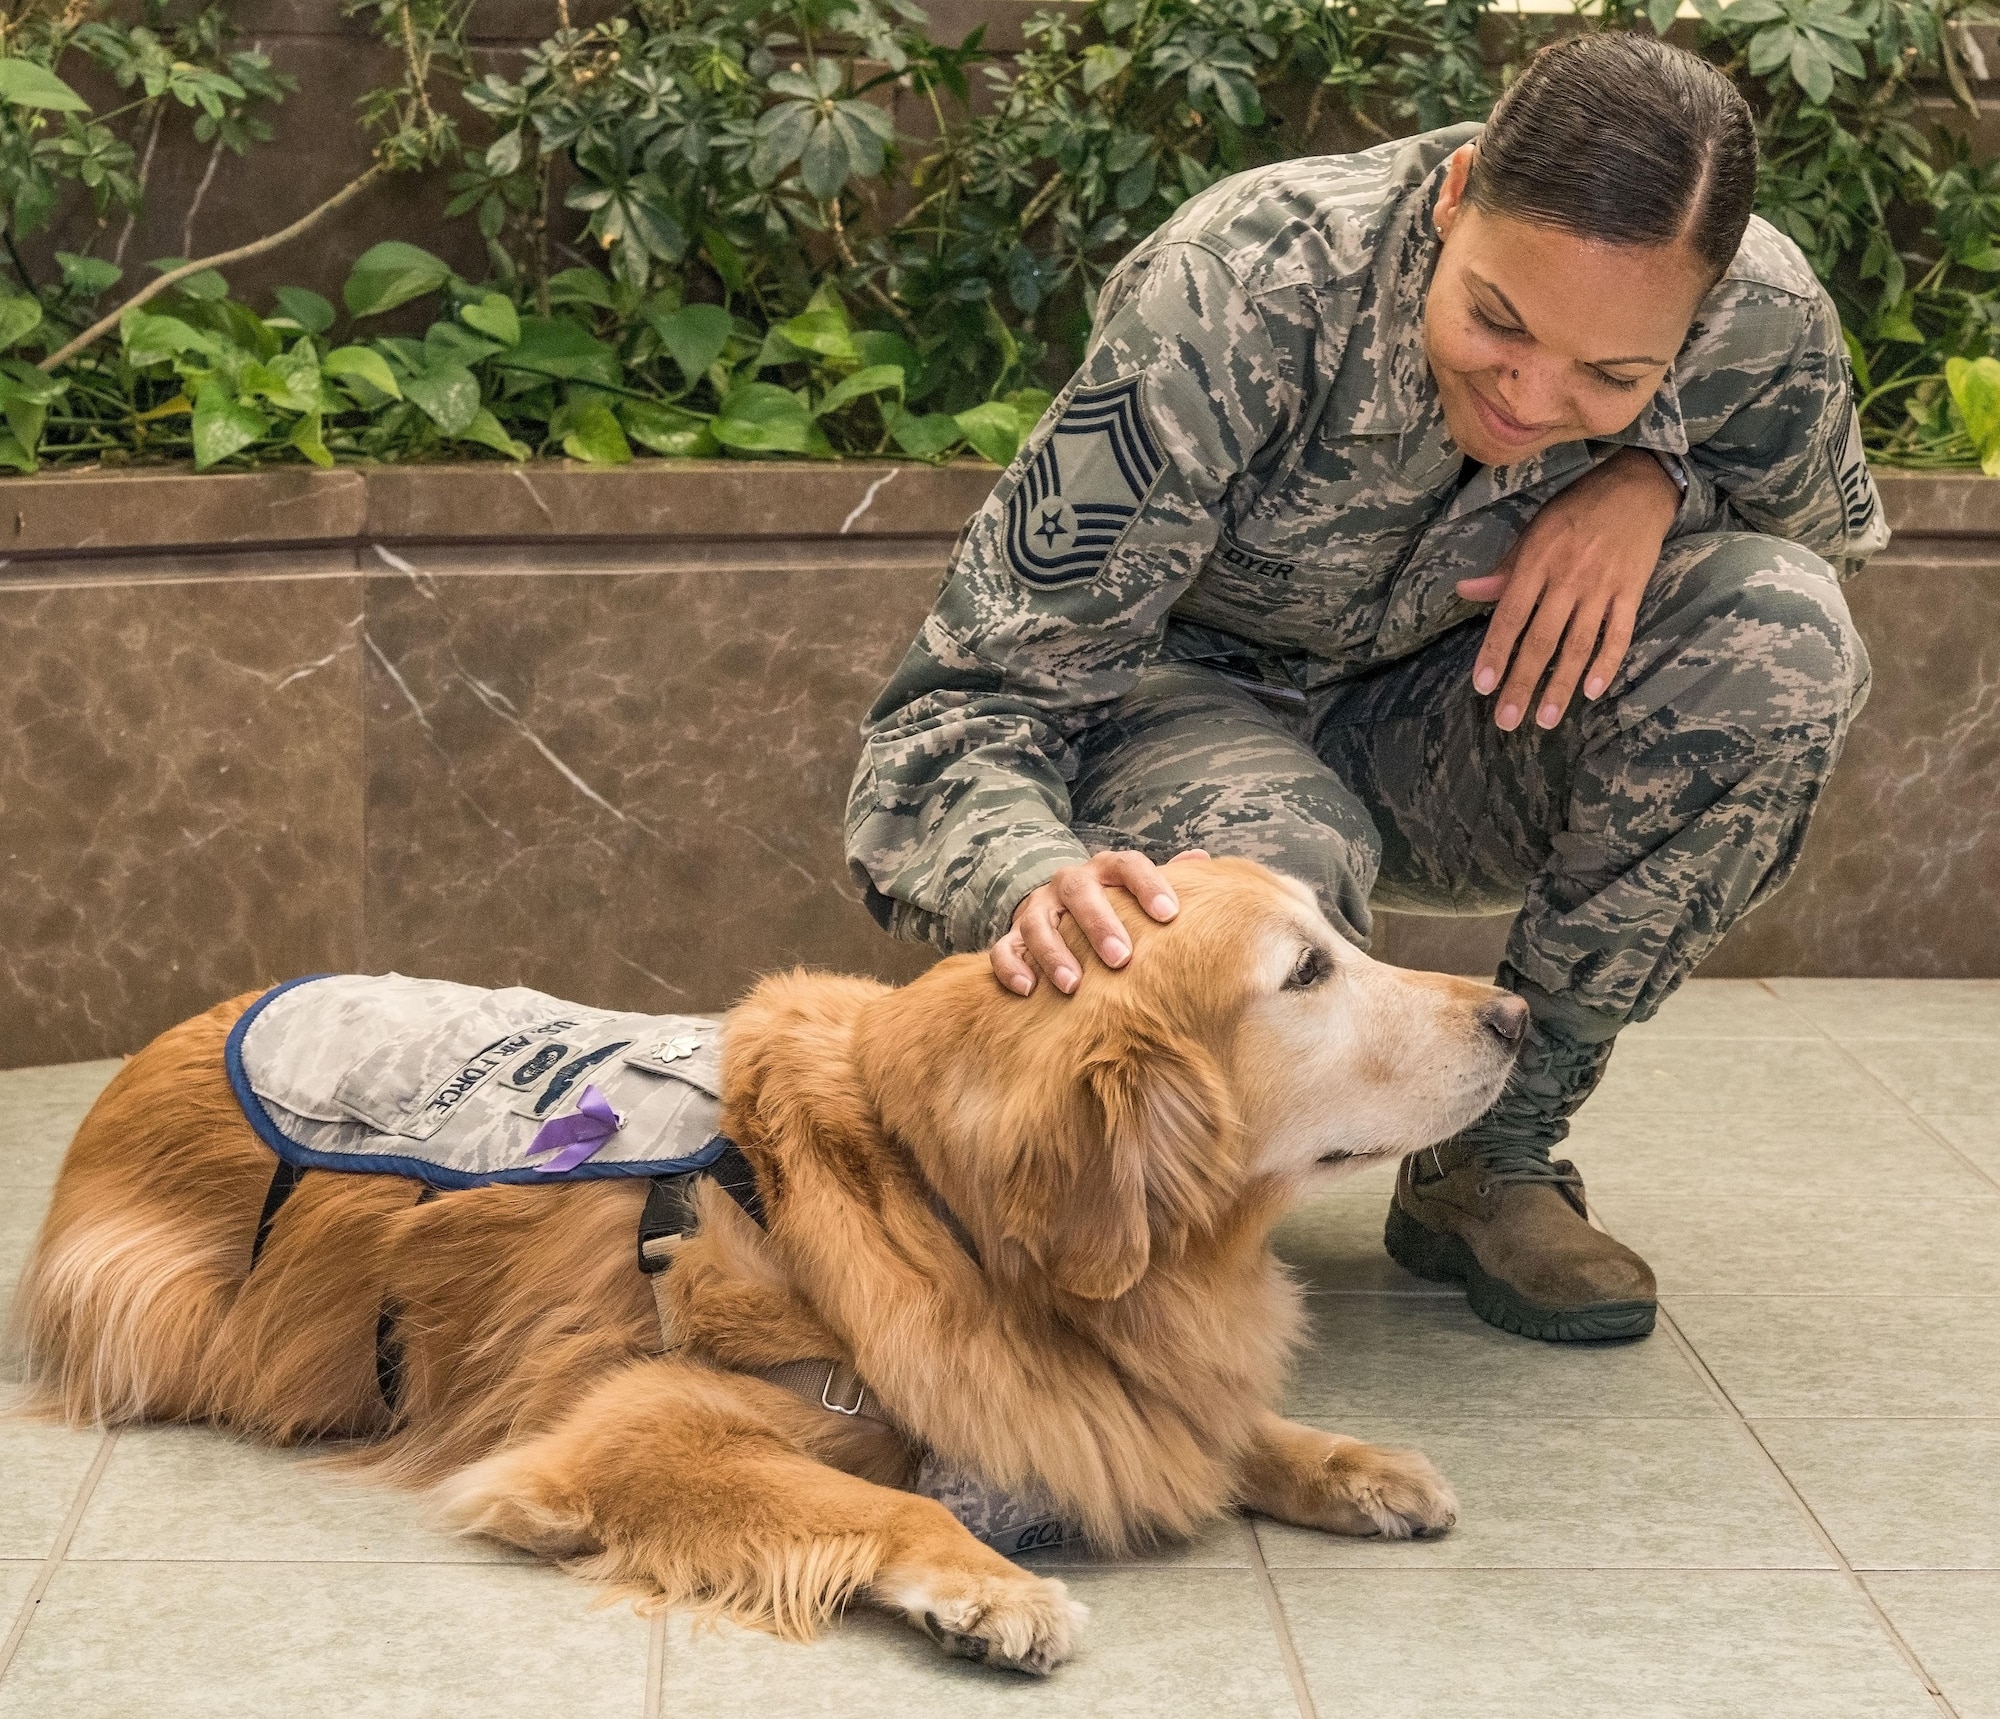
(1451, 194)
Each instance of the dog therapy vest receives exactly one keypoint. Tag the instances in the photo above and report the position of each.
(458, 1086)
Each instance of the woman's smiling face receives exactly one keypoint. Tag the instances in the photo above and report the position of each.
(1536, 336)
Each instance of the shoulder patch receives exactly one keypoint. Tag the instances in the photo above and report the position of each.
(1850, 466)
(1083, 488)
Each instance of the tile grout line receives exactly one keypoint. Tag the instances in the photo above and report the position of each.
(1274, 1609)
(58, 1549)
(656, 1665)
(1826, 1540)
(1894, 1097)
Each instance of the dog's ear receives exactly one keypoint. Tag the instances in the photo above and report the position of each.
(1134, 1153)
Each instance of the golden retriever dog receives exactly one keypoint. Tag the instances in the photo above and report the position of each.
(1115, 1335)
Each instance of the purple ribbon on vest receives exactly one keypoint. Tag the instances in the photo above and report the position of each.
(579, 1135)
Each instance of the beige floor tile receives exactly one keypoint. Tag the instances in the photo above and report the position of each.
(1818, 1355)
(1334, 1242)
(41, 1468)
(1595, 1644)
(1978, 1137)
(39, 1111)
(20, 1217)
(1172, 1643)
(1936, 1077)
(1947, 1619)
(1724, 1008)
(315, 1641)
(1897, 1008)
(1608, 1494)
(1762, 1161)
(1223, 1545)
(173, 1493)
(1745, 1078)
(1898, 1494)
(1416, 1357)
(17, 1576)
(1808, 1245)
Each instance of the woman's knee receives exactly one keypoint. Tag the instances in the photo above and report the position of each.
(1764, 623)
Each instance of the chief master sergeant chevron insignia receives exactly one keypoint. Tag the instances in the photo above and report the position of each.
(1083, 488)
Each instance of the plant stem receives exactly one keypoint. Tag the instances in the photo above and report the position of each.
(256, 248)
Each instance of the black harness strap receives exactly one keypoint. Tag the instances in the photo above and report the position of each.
(670, 1204)
(388, 1349)
(283, 1180)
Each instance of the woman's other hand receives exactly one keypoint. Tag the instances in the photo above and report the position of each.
(1568, 591)
(1035, 945)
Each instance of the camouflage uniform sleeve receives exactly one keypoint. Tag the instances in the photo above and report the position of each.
(1059, 594)
(1774, 441)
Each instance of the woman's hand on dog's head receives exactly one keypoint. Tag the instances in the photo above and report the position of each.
(1034, 948)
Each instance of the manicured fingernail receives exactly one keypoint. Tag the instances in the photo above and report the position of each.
(1115, 953)
(1509, 715)
(1549, 715)
(1485, 680)
(1021, 983)
(1164, 907)
(1065, 978)
(1593, 686)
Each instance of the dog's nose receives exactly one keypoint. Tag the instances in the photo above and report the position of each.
(1506, 1018)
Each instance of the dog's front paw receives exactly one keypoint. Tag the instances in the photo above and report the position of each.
(1395, 1494)
(1019, 1623)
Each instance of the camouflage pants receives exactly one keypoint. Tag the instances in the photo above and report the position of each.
(1630, 837)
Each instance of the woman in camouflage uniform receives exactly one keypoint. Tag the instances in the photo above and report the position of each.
(1234, 595)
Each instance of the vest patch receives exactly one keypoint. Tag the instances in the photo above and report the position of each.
(451, 1083)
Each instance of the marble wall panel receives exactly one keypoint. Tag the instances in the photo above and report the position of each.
(180, 800)
(625, 787)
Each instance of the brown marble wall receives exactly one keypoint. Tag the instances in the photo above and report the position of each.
(616, 769)
(625, 785)
(180, 798)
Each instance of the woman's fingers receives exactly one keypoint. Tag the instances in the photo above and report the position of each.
(1578, 641)
(1036, 922)
(1010, 964)
(1531, 660)
(1144, 881)
(1081, 893)
(1518, 604)
(1617, 641)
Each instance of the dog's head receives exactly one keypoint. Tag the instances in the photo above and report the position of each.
(1244, 1041)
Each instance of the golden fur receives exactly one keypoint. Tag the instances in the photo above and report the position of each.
(1119, 1158)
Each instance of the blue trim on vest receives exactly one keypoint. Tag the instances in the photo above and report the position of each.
(390, 1164)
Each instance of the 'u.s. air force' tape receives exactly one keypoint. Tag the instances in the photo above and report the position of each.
(1083, 488)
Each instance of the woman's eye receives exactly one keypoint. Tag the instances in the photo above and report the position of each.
(1311, 967)
(1624, 384)
(1479, 316)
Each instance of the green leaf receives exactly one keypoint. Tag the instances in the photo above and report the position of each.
(876, 379)
(306, 436)
(1030, 405)
(1661, 14)
(448, 343)
(495, 315)
(1811, 70)
(580, 286)
(694, 336)
(14, 455)
(823, 331)
(390, 274)
(926, 437)
(489, 432)
(311, 312)
(204, 286)
(448, 395)
(1770, 48)
(1895, 322)
(223, 424)
(993, 429)
(25, 417)
(365, 366)
(26, 84)
(873, 347)
(724, 258)
(20, 316)
(670, 430)
(760, 417)
(589, 431)
(1975, 393)
(151, 339)
(562, 347)
(290, 380)
(88, 277)
(1101, 64)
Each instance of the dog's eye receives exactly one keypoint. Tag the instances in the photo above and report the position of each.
(1311, 967)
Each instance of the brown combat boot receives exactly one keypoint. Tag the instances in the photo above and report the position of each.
(1509, 1225)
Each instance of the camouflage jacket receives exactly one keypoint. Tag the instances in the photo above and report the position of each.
(1252, 468)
